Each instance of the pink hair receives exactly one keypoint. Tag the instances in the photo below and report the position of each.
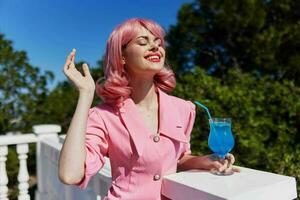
(115, 88)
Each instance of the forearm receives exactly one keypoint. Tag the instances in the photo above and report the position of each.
(72, 156)
(207, 162)
(188, 162)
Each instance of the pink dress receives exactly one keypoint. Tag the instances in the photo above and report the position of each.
(138, 158)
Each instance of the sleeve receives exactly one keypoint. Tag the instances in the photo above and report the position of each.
(189, 123)
(96, 146)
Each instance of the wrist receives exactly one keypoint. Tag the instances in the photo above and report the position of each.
(204, 162)
(86, 97)
(86, 93)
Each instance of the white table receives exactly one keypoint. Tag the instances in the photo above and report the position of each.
(249, 184)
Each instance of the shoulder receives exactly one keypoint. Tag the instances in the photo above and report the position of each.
(103, 107)
(100, 115)
(104, 110)
(182, 104)
(186, 110)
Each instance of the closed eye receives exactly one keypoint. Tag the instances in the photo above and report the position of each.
(144, 40)
(142, 43)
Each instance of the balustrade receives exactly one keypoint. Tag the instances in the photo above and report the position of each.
(249, 184)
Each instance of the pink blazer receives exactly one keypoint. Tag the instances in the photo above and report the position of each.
(138, 159)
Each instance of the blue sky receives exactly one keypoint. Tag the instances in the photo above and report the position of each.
(48, 29)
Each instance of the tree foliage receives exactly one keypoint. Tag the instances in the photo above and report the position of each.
(251, 49)
(265, 116)
(252, 35)
(25, 101)
(22, 88)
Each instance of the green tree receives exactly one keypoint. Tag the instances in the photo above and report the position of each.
(60, 104)
(265, 115)
(252, 35)
(26, 101)
(251, 48)
(22, 88)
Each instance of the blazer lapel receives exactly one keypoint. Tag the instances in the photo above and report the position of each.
(137, 130)
(170, 123)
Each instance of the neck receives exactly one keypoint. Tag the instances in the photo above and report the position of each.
(143, 93)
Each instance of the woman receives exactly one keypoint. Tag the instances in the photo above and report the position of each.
(144, 131)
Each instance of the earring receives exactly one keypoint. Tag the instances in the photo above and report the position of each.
(123, 61)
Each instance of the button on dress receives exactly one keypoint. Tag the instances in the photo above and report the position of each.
(139, 159)
(156, 138)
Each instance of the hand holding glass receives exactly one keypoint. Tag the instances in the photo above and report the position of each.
(220, 139)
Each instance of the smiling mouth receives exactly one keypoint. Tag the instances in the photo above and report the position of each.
(153, 58)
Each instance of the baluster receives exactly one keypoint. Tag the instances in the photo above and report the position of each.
(23, 177)
(3, 174)
(43, 132)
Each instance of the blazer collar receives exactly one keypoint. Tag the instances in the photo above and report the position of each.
(170, 124)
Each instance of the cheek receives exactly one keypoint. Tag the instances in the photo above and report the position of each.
(133, 55)
(162, 50)
(163, 59)
(136, 51)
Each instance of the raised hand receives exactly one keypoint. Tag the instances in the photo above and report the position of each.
(84, 83)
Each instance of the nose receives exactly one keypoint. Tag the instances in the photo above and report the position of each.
(153, 46)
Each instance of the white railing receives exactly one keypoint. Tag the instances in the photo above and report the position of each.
(249, 184)
(22, 141)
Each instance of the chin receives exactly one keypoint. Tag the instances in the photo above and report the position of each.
(150, 68)
(155, 65)
(155, 69)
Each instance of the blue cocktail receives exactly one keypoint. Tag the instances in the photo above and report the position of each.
(220, 139)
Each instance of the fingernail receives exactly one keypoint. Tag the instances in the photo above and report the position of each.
(73, 49)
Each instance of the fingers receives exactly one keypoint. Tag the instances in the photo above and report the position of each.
(70, 60)
(230, 157)
(228, 169)
(86, 70)
(216, 165)
(231, 161)
(69, 67)
(236, 169)
(225, 165)
(73, 55)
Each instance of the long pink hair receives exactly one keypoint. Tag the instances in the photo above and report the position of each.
(115, 88)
